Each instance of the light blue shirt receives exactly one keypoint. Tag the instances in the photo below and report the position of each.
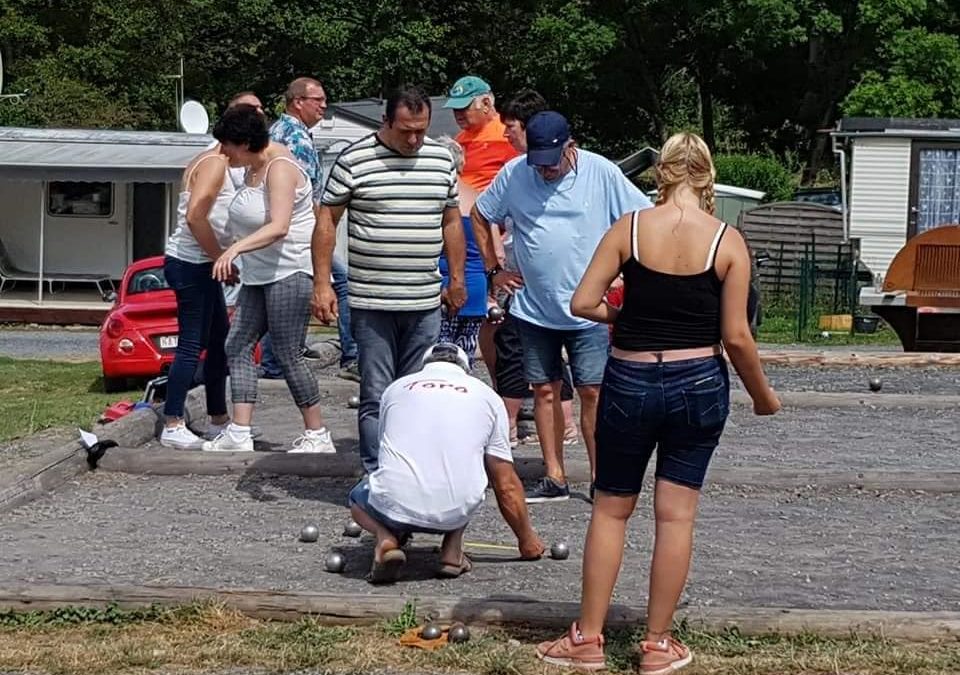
(556, 228)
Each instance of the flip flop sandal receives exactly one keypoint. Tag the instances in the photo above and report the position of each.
(387, 571)
(449, 571)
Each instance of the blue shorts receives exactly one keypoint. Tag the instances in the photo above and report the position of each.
(587, 349)
(360, 496)
(679, 408)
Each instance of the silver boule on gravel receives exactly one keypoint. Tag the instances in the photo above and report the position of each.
(352, 529)
(458, 633)
(431, 632)
(353, 401)
(876, 384)
(309, 533)
(560, 551)
(334, 563)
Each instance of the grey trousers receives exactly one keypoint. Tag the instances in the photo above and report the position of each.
(283, 307)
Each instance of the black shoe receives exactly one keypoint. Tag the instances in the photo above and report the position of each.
(548, 490)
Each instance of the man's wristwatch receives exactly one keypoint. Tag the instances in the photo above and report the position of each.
(492, 272)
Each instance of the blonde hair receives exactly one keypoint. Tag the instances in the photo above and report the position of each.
(456, 151)
(685, 159)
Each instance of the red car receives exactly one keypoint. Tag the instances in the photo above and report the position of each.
(138, 337)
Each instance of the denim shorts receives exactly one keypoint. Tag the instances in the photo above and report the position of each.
(587, 350)
(679, 408)
(360, 496)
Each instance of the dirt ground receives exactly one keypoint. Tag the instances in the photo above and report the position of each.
(800, 547)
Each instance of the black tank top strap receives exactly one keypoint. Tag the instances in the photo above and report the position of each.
(714, 247)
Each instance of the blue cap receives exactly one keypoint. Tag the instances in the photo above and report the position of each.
(465, 90)
(547, 132)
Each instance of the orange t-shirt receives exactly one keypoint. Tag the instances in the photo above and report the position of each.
(485, 151)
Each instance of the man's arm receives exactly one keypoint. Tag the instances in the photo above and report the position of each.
(321, 249)
(513, 506)
(483, 235)
(455, 249)
(337, 192)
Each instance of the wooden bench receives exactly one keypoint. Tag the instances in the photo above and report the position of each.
(920, 298)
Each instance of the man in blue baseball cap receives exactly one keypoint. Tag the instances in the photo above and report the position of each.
(562, 200)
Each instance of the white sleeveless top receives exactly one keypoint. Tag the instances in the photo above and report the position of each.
(182, 245)
(250, 210)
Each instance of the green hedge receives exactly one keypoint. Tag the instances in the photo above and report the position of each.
(756, 172)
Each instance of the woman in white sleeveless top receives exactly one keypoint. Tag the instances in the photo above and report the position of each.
(200, 238)
(272, 219)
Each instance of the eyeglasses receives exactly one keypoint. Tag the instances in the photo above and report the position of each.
(321, 99)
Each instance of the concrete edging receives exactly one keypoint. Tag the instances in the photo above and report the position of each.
(333, 608)
(786, 357)
(347, 465)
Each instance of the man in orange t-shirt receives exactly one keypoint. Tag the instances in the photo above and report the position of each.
(485, 148)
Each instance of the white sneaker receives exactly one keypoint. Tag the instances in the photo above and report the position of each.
(214, 430)
(180, 437)
(225, 442)
(314, 442)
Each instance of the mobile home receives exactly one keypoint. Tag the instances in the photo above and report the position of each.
(904, 179)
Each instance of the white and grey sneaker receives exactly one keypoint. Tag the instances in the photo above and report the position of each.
(314, 441)
(214, 430)
(180, 437)
(228, 442)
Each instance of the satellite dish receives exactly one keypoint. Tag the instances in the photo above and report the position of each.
(194, 118)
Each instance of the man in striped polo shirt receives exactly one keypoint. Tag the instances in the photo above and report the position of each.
(401, 190)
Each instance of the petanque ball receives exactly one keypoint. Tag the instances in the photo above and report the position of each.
(352, 529)
(458, 633)
(876, 384)
(353, 401)
(431, 632)
(495, 313)
(560, 551)
(335, 563)
(309, 533)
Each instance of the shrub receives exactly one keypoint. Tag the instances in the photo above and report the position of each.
(756, 172)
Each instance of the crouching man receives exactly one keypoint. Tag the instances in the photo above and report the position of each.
(443, 433)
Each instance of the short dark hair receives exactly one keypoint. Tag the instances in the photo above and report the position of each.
(241, 94)
(411, 97)
(525, 104)
(242, 125)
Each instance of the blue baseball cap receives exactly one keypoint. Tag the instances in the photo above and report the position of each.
(547, 132)
(465, 90)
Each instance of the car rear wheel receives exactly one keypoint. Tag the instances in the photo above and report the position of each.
(112, 385)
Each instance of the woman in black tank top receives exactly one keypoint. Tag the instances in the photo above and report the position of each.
(685, 282)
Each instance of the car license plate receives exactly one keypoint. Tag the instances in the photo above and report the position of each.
(168, 342)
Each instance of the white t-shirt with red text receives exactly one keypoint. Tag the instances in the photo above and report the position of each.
(436, 426)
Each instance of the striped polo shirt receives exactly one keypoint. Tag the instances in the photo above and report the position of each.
(395, 209)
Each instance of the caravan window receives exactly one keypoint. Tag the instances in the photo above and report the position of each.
(79, 199)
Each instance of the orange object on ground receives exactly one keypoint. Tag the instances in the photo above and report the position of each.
(412, 639)
(485, 152)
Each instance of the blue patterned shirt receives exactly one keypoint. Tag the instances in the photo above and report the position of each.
(294, 134)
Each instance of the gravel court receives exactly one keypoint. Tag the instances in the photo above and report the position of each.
(839, 549)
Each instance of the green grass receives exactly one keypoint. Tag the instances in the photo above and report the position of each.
(779, 326)
(37, 395)
(207, 637)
